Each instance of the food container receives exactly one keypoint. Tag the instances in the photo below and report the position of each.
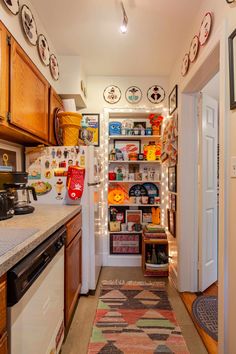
(148, 131)
(112, 176)
(133, 156)
(140, 157)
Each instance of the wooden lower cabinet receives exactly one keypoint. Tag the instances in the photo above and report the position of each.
(73, 275)
(3, 315)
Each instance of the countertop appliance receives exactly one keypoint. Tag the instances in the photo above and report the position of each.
(6, 205)
(16, 185)
(47, 168)
(35, 298)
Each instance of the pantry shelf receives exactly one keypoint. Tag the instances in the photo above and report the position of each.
(134, 137)
(126, 232)
(137, 205)
(133, 181)
(136, 161)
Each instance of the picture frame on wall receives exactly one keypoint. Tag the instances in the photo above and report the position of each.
(10, 158)
(172, 179)
(91, 134)
(232, 68)
(173, 100)
(171, 220)
(125, 243)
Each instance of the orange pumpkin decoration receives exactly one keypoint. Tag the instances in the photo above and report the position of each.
(116, 196)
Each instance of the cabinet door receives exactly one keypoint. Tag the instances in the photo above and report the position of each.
(72, 275)
(55, 103)
(4, 72)
(3, 344)
(29, 92)
(3, 304)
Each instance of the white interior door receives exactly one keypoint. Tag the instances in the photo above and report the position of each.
(208, 213)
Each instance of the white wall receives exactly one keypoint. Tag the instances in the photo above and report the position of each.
(14, 26)
(224, 22)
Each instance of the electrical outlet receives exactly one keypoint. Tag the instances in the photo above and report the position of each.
(233, 167)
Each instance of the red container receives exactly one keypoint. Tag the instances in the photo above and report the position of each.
(112, 176)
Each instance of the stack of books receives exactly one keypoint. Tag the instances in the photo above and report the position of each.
(154, 231)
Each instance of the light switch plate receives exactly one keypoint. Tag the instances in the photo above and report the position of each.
(233, 167)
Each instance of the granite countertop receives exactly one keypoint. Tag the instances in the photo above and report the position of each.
(22, 233)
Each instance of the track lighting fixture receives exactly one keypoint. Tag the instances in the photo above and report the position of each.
(124, 25)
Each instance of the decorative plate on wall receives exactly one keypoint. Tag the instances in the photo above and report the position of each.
(54, 67)
(133, 94)
(29, 25)
(205, 28)
(185, 65)
(194, 48)
(156, 94)
(43, 49)
(112, 94)
(13, 6)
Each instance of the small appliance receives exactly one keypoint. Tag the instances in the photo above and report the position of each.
(20, 192)
(6, 205)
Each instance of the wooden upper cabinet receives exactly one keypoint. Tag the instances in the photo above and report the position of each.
(29, 93)
(55, 103)
(4, 72)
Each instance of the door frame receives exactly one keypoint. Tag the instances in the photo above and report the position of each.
(213, 58)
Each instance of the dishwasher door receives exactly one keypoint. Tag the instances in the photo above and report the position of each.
(37, 320)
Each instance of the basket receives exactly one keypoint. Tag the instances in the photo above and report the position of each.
(70, 123)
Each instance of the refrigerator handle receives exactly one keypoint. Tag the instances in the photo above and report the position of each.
(94, 184)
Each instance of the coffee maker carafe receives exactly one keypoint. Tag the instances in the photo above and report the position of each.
(20, 191)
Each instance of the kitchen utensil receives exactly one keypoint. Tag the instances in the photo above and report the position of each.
(6, 205)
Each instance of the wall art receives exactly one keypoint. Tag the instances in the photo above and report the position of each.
(91, 134)
(54, 67)
(185, 65)
(232, 69)
(127, 147)
(171, 219)
(43, 49)
(194, 49)
(10, 158)
(172, 179)
(173, 100)
(112, 94)
(205, 28)
(230, 1)
(125, 243)
(156, 94)
(133, 94)
(29, 25)
(13, 6)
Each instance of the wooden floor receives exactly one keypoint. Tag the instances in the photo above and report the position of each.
(188, 298)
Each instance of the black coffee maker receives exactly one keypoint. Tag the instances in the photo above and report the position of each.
(17, 187)
(6, 205)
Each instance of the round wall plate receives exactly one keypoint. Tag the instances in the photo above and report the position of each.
(156, 94)
(185, 65)
(54, 67)
(194, 49)
(43, 49)
(205, 28)
(13, 6)
(112, 94)
(29, 25)
(133, 94)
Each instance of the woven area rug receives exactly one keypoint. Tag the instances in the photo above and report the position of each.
(205, 311)
(135, 317)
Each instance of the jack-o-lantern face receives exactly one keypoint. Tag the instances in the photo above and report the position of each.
(116, 196)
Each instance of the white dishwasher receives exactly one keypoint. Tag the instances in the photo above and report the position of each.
(36, 299)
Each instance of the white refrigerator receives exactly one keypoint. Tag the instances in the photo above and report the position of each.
(47, 168)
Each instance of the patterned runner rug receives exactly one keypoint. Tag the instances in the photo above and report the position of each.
(135, 317)
(205, 311)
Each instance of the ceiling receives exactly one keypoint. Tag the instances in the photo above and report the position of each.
(90, 29)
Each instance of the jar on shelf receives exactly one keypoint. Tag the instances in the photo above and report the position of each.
(112, 155)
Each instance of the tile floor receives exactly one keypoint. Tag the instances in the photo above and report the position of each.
(79, 334)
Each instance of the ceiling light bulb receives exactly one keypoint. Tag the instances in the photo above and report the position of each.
(123, 28)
